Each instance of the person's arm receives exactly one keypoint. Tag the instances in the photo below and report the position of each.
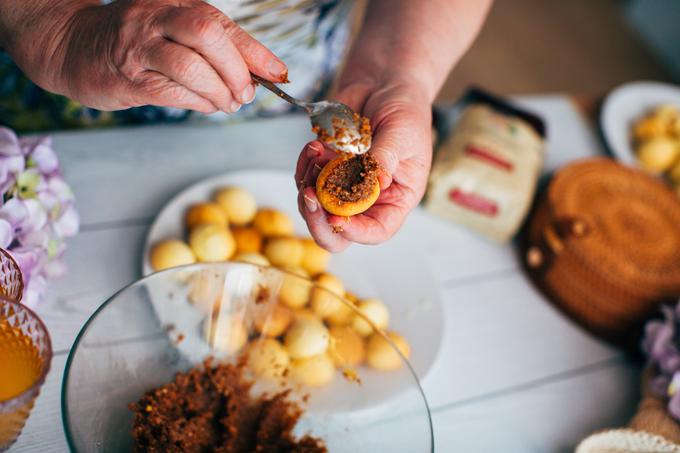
(397, 65)
(136, 52)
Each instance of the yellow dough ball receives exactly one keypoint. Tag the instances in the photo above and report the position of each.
(205, 214)
(172, 253)
(658, 154)
(270, 222)
(212, 243)
(305, 314)
(346, 347)
(326, 298)
(284, 251)
(274, 322)
(238, 203)
(353, 298)
(251, 258)
(381, 355)
(268, 358)
(375, 311)
(247, 239)
(342, 315)
(295, 287)
(205, 291)
(666, 112)
(674, 173)
(314, 258)
(225, 333)
(650, 127)
(675, 127)
(315, 371)
(306, 338)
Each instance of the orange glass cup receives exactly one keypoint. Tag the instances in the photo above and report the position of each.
(25, 354)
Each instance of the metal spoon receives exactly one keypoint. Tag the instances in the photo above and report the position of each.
(335, 124)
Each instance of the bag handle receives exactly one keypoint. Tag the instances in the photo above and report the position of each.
(551, 244)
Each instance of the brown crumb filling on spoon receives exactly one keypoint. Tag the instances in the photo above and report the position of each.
(354, 178)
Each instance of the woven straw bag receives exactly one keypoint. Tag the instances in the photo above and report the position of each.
(604, 244)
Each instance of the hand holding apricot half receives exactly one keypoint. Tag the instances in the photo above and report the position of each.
(348, 185)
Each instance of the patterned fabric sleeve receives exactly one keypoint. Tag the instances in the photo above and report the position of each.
(309, 35)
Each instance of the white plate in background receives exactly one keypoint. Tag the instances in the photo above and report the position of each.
(627, 104)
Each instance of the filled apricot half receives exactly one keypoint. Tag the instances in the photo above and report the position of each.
(348, 185)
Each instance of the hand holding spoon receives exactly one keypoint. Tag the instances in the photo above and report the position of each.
(336, 125)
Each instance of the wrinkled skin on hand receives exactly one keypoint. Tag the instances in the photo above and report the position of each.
(402, 146)
(184, 54)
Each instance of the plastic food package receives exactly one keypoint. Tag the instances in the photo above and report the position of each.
(485, 172)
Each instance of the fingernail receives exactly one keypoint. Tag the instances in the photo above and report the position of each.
(315, 150)
(235, 107)
(310, 204)
(278, 70)
(248, 94)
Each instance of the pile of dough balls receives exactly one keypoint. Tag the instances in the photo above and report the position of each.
(309, 333)
(657, 142)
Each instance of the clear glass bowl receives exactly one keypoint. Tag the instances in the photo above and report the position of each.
(171, 321)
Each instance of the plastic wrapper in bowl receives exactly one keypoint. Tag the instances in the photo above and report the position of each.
(173, 320)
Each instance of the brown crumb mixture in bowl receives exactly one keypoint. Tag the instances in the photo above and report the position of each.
(354, 178)
(210, 409)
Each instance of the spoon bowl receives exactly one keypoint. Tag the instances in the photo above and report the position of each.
(335, 124)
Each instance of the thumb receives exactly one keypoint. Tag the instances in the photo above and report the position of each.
(384, 149)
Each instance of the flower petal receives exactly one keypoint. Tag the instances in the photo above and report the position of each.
(34, 291)
(45, 159)
(55, 268)
(9, 145)
(14, 211)
(6, 233)
(29, 259)
(37, 217)
(674, 406)
(68, 224)
(659, 386)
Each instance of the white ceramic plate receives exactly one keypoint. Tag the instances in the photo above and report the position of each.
(395, 271)
(624, 106)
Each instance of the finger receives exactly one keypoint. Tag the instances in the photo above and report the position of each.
(259, 59)
(311, 174)
(317, 222)
(201, 28)
(311, 150)
(384, 151)
(374, 226)
(154, 88)
(314, 164)
(190, 70)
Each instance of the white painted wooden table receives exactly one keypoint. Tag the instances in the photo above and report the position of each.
(513, 374)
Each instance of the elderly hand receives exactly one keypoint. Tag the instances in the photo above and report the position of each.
(402, 144)
(183, 54)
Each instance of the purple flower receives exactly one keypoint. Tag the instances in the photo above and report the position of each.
(661, 343)
(37, 210)
(12, 160)
(9, 143)
(6, 233)
(45, 159)
(34, 290)
(68, 224)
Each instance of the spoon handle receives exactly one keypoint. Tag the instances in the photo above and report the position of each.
(277, 91)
